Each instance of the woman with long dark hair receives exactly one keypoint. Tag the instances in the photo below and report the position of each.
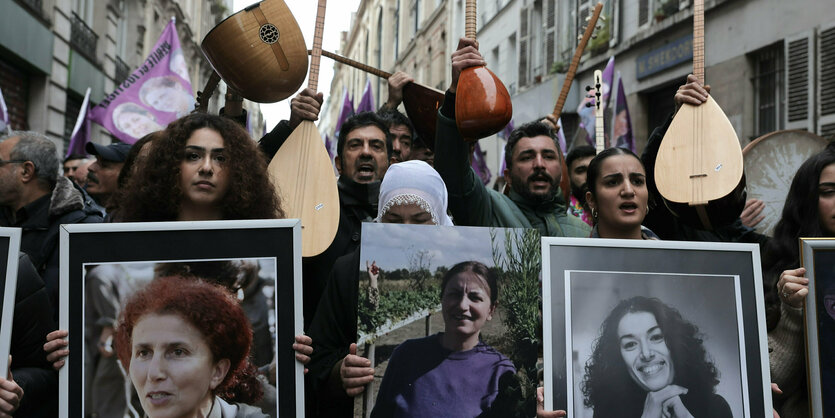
(206, 167)
(809, 211)
(650, 362)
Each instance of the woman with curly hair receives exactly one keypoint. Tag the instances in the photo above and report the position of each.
(185, 344)
(650, 362)
(809, 211)
(206, 167)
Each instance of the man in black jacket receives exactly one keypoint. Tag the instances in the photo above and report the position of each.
(36, 199)
(362, 160)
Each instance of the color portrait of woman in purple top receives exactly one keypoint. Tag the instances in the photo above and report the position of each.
(452, 373)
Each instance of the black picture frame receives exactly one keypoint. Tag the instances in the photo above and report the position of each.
(82, 244)
(817, 255)
(9, 245)
(735, 268)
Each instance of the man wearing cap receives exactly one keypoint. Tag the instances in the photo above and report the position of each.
(35, 198)
(103, 175)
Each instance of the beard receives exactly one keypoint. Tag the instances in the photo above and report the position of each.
(522, 187)
(579, 193)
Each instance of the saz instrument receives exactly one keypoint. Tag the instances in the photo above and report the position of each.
(482, 103)
(699, 165)
(421, 102)
(259, 52)
(591, 20)
(302, 173)
(771, 162)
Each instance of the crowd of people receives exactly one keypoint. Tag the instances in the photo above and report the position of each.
(185, 347)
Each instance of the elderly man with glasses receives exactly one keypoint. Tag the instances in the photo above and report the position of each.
(35, 198)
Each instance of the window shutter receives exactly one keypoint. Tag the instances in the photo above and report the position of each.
(826, 77)
(643, 12)
(799, 79)
(550, 33)
(524, 53)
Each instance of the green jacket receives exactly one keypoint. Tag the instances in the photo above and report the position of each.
(473, 204)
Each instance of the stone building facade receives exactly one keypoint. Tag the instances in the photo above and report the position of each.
(51, 51)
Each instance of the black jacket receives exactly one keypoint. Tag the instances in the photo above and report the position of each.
(39, 240)
(32, 321)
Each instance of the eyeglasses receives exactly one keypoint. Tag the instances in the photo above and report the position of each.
(4, 162)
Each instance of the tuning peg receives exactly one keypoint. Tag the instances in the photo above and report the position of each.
(579, 37)
(588, 18)
(589, 104)
(598, 27)
(588, 88)
(594, 36)
(603, 18)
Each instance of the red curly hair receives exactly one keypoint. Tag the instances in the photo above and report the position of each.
(154, 193)
(213, 311)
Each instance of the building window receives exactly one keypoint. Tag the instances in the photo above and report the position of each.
(71, 111)
(415, 16)
(768, 88)
(397, 31)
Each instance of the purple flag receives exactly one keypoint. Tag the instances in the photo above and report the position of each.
(479, 165)
(622, 123)
(346, 111)
(505, 133)
(153, 95)
(367, 101)
(608, 77)
(81, 131)
(561, 136)
(5, 125)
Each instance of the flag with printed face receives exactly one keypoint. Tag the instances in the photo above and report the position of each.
(153, 95)
(367, 101)
(621, 122)
(81, 132)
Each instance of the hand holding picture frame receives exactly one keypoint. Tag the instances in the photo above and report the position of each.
(621, 317)
(268, 251)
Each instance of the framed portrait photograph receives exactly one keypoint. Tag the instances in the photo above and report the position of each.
(647, 327)
(175, 323)
(449, 314)
(9, 245)
(817, 255)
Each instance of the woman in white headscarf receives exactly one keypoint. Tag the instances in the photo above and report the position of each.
(412, 192)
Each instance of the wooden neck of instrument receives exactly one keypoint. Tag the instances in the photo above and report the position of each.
(313, 76)
(699, 40)
(575, 61)
(470, 19)
(356, 64)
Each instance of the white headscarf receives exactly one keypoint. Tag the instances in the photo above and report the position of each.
(415, 182)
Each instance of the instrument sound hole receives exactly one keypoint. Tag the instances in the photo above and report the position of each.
(269, 33)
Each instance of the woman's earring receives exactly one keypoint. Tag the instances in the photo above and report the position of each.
(594, 213)
(647, 210)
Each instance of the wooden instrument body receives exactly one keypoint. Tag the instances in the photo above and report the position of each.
(698, 169)
(238, 50)
(771, 162)
(422, 104)
(303, 175)
(482, 104)
(302, 172)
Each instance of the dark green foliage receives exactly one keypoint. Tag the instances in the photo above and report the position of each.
(520, 297)
(395, 305)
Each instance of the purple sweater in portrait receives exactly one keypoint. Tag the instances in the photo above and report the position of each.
(423, 379)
